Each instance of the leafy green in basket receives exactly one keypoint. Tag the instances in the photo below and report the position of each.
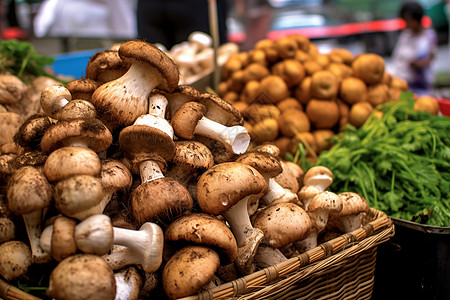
(400, 163)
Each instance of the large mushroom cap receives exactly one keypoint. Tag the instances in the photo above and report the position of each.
(28, 190)
(203, 229)
(225, 184)
(69, 161)
(160, 200)
(15, 259)
(149, 54)
(82, 277)
(193, 154)
(90, 131)
(353, 203)
(282, 223)
(140, 142)
(188, 270)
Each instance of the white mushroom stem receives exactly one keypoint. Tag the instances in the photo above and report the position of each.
(157, 105)
(278, 194)
(33, 226)
(350, 222)
(128, 284)
(235, 138)
(78, 142)
(149, 171)
(267, 256)
(237, 217)
(307, 243)
(121, 256)
(147, 243)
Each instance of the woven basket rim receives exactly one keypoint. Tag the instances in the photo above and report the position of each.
(379, 229)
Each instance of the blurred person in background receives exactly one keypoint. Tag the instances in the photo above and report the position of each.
(415, 49)
(169, 22)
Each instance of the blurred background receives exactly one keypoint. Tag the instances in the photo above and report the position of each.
(56, 27)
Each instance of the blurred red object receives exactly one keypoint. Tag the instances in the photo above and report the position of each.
(444, 106)
(16, 33)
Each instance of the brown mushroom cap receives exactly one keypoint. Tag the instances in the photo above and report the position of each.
(267, 164)
(220, 111)
(142, 142)
(90, 131)
(325, 200)
(28, 190)
(69, 161)
(149, 54)
(63, 239)
(282, 223)
(82, 88)
(186, 119)
(15, 259)
(12, 89)
(188, 270)
(318, 175)
(77, 109)
(115, 175)
(203, 229)
(353, 203)
(82, 276)
(32, 130)
(225, 184)
(105, 66)
(160, 200)
(179, 96)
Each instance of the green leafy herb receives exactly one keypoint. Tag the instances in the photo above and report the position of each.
(400, 163)
(21, 59)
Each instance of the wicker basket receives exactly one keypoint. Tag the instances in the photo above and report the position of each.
(342, 268)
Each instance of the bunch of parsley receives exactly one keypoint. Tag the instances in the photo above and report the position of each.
(21, 59)
(400, 163)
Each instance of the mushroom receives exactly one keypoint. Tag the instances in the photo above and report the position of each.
(282, 224)
(121, 101)
(89, 133)
(82, 276)
(29, 194)
(15, 259)
(269, 166)
(320, 176)
(30, 133)
(53, 99)
(318, 210)
(62, 243)
(128, 284)
(9, 124)
(94, 235)
(179, 96)
(189, 270)
(7, 229)
(353, 212)
(148, 143)
(205, 230)
(82, 88)
(226, 189)
(190, 120)
(190, 159)
(146, 243)
(106, 66)
(307, 193)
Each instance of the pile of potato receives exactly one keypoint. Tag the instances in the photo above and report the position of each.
(289, 92)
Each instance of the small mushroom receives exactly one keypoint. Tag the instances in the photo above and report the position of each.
(106, 66)
(82, 88)
(190, 120)
(226, 189)
(30, 133)
(7, 229)
(62, 242)
(321, 206)
(354, 210)
(307, 193)
(30, 194)
(82, 276)
(189, 270)
(282, 224)
(15, 259)
(190, 159)
(320, 176)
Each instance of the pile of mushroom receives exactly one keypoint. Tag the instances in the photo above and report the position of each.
(141, 187)
(290, 92)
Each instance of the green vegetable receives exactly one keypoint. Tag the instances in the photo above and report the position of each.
(21, 59)
(399, 163)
